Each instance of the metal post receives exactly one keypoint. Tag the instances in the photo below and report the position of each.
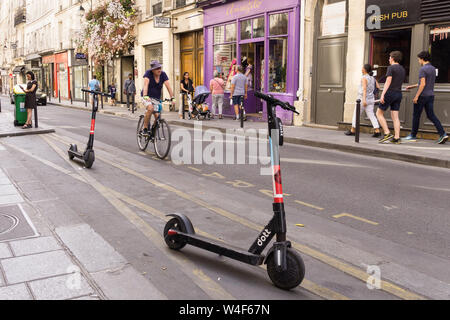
(358, 120)
(59, 95)
(71, 101)
(101, 100)
(132, 103)
(36, 117)
(85, 99)
(0, 105)
(183, 106)
(241, 113)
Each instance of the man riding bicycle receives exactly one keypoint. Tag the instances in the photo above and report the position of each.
(154, 80)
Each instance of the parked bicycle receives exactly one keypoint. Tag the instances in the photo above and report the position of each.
(159, 134)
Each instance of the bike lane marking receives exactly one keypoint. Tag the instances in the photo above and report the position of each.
(308, 285)
(337, 216)
(334, 262)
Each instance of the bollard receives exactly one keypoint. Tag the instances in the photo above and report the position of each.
(101, 99)
(71, 101)
(183, 106)
(358, 120)
(36, 117)
(59, 95)
(85, 99)
(0, 105)
(49, 97)
(132, 104)
(241, 113)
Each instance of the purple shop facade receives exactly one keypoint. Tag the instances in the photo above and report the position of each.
(275, 48)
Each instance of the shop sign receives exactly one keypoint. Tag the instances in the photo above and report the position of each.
(162, 22)
(382, 14)
(80, 56)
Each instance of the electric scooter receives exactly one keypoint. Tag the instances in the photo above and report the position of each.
(285, 266)
(88, 156)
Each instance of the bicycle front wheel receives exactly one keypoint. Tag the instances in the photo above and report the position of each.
(142, 140)
(163, 139)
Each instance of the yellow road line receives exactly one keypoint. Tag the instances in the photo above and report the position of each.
(210, 287)
(342, 266)
(306, 284)
(337, 216)
(309, 205)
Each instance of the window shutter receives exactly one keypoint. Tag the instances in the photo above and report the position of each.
(435, 10)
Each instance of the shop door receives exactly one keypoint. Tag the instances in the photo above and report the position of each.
(192, 56)
(127, 68)
(330, 80)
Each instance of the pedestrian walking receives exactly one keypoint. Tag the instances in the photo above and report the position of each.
(239, 89)
(217, 88)
(187, 87)
(130, 91)
(94, 85)
(392, 97)
(424, 99)
(366, 94)
(30, 98)
(112, 90)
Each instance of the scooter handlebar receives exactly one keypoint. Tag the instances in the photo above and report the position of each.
(271, 100)
(96, 92)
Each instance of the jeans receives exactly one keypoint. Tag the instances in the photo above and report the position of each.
(130, 95)
(428, 104)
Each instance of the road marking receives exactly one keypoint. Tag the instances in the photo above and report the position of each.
(300, 225)
(306, 284)
(334, 262)
(337, 216)
(214, 174)
(195, 169)
(314, 162)
(433, 189)
(240, 184)
(309, 205)
(210, 287)
(269, 193)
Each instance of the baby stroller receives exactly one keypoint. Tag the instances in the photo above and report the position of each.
(198, 109)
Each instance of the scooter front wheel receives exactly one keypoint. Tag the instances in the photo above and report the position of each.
(294, 274)
(89, 159)
(171, 241)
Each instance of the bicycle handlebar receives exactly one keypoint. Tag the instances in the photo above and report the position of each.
(271, 100)
(96, 92)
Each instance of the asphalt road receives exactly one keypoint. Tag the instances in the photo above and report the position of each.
(358, 212)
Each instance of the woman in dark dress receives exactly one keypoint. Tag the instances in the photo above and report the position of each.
(30, 98)
(187, 87)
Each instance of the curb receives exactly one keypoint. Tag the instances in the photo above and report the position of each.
(26, 133)
(422, 160)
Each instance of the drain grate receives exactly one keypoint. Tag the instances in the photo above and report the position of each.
(15, 224)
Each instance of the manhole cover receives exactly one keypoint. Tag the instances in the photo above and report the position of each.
(15, 224)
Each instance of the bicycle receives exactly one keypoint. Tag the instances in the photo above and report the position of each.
(159, 134)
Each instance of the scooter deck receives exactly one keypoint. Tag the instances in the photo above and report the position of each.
(219, 248)
(76, 154)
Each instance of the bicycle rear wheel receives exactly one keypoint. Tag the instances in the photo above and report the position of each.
(142, 140)
(163, 139)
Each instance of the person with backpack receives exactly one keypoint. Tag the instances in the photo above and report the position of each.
(217, 87)
(368, 89)
(94, 85)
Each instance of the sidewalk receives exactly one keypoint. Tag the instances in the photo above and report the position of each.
(425, 152)
(7, 128)
(40, 261)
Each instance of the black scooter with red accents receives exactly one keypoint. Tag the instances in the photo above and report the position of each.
(284, 265)
(88, 156)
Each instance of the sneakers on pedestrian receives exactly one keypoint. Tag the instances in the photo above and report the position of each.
(386, 137)
(395, 141)
(443, 139)
(349, 133)
(376, 135)
(410, 138)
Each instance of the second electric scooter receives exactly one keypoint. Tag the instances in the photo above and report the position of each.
(88, 156)
(285, 266)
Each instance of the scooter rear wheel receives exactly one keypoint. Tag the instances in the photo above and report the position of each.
(172, 243)
(294, 274)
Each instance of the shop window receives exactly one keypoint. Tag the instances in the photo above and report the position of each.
(153, 52)
(279, 24)
(278, 51)
(225, 61)
(440, 51)
(383, 43)
(219, 34)
(253, 28)
(230, 32)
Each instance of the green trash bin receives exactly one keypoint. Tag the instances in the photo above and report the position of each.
(20, 113)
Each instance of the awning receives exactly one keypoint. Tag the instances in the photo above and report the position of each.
(32, 56)
(19, 69)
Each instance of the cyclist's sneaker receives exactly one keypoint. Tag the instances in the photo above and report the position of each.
(396, 141)
(443, 139)
(386, 137)
(145, 132)
(410, 138)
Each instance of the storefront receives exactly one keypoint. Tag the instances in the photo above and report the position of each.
(410, 27)
(62, 75)
(80, 74)
(263, 37)
(48, 85)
